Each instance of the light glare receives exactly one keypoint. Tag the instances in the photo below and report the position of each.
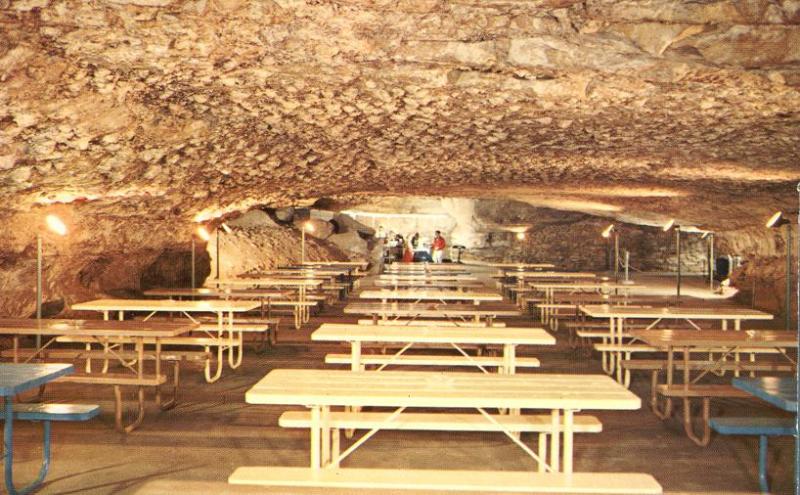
(607, 232)
(56, 225)
(203, 233)
(774, 219)
(668, 225)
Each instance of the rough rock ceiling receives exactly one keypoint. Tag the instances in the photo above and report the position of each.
(188, 108)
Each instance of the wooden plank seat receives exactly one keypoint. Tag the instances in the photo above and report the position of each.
(118, 380)
(440, 323)
(73, 354)
(704, 392)
(537, 423)
(655, 366)
(360, 420)
(429, 360)
(623, 352)
(763, 427)
(437, 480)
(265, 328)
(207, 343)
(55, 412)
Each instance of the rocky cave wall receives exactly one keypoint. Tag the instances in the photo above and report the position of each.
(108, 256)
(140, 117)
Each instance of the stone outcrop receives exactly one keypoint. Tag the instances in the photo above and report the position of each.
(140, 117)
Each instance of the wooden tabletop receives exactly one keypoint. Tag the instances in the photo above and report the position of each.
(440, 389)
(430, 295)
(269, 282)
(355, 264)
(16, 378)
(521, 266)
(426, 277)
(214, 305)
(428, 284)
(719, 313)
(426, 309)
(432, 334)
(94, 328)
(712, 338)
(566, 275)
(582, 285)
(443, 267)
(217, 293)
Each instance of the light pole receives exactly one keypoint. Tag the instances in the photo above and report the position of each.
(776, 221)
(607, 234)
(57, 226)
(710, 236)
(666, 228)
(307, 226)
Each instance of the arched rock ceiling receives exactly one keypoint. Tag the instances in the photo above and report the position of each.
(635, 109)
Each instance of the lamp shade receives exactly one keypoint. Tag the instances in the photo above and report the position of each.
(203, 234)
(56, 225)
(607, 232)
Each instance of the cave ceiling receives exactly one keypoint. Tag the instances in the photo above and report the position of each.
(188, 109)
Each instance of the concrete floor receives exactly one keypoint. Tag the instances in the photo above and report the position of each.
(194, 447)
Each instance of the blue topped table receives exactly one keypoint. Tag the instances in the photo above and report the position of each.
(14, 379)
(780, 392)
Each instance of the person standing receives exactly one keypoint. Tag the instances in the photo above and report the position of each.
(437, 247)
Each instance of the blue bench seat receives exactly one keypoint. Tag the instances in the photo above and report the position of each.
(55, 412)
(764, 427)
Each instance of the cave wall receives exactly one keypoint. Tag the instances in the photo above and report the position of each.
(761, 278)
(105, 255)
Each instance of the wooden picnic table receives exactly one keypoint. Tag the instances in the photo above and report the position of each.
(220, 307)
(104, 333)
(724, 343)
(360, 265)
(521, 266)
(426, 268)
(320, 390)
(452, 312)
(549, 290)
(302, 312)
(459, 285)
(508, 337)
(15, 379)
(616, 316)
(426, 277)
(424, 295)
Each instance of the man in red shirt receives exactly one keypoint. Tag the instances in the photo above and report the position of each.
(438, 247)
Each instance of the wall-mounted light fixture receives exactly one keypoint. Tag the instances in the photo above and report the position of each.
(606, 234)
(57, 226)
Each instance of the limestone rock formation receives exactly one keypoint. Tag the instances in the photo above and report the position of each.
(137, 118)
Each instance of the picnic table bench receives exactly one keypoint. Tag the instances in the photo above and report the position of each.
(780, 392)
(452, 312)
(724, 344)
(105, 334)
(427, 295)
(323, 389)
(18, 378)
(224, 310)
(619, 316)
(509, 338)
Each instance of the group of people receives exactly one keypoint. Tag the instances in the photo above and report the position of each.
(397, 248)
